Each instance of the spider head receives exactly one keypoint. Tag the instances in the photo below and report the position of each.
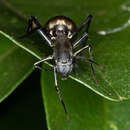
(60, 26)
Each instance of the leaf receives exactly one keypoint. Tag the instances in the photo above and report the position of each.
(87, 110)
(15, 65)
(111, 51)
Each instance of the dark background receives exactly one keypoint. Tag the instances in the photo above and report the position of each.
(23, 109)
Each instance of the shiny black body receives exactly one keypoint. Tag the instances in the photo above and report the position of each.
(63, 56)
(59, 32)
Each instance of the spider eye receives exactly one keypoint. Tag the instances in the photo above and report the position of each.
(54, 33)
(66, 33)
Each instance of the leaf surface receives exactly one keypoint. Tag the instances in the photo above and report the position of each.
(15, 65)
(87, 110)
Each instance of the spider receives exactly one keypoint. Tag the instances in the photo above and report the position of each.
(58, 33)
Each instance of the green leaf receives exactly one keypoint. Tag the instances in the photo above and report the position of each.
(87, 110)
(111, 51)
(15, 65)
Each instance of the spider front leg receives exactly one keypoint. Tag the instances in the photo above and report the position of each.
(84, 37)
(86, 22)
(34, 25)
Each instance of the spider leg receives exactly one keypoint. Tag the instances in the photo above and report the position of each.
(59, 94)
(34, 25)
(81, 50)
(36, 65)
(86, 22)
(90, 55)
(75, 66)
(91, 65)
(89, 60)
(80, 40)
(84, 37)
